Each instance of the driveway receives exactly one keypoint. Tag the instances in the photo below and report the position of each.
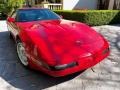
(106, 75)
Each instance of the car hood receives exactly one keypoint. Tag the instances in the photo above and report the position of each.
(65, 41)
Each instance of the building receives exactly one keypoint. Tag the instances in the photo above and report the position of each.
(74, 4)
(109, 4)
(77, 4)
(66, 4)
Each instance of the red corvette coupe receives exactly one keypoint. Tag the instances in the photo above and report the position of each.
(58, 47)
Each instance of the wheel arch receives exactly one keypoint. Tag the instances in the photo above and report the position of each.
(17, 38)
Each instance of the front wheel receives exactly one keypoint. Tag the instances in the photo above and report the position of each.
(22, 54)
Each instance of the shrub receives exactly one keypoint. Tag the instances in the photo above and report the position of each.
(92, 17)
(10, 5)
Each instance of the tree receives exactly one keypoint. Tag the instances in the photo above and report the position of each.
(10, 5)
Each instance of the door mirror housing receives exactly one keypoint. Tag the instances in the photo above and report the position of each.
(10, 19)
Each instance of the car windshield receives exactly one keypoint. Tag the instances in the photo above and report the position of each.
(35, 15)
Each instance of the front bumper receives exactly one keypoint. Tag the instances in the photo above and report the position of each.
(83, 64)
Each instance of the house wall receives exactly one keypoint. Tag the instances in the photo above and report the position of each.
(79, 4)
(111, 4)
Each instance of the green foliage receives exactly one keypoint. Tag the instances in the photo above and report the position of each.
(7, 7)
(92, 17)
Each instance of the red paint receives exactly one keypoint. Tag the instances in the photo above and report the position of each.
(58, 42)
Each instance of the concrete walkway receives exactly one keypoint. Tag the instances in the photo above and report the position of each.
(13, 76)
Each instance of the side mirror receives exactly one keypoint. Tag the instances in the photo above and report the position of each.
(10, 19)
(61, 16)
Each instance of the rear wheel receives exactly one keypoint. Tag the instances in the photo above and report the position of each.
(22, 53)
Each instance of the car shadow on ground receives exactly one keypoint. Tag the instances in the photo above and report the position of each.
(19, 77)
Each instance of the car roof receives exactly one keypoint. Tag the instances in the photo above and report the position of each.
(30, 8)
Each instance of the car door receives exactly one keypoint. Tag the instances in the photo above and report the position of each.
(12, 25)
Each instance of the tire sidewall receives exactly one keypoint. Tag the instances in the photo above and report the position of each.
(19, 42)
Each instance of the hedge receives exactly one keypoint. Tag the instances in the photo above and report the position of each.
(92, 17)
